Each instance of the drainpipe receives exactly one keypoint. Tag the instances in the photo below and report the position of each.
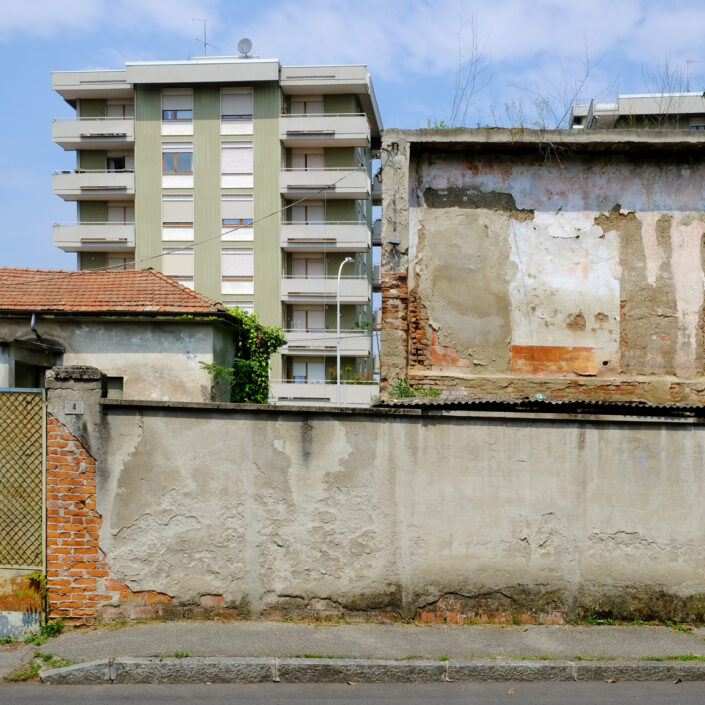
(33, 326)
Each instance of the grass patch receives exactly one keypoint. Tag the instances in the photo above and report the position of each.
(30, 671)
(181, 654)
(682, 657)
(47, 631)
(7, 639)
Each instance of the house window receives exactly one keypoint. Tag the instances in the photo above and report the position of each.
(309, 372)
(177, 165)
(177, 112)
(307, 267)
(312, 213)
(237, 217)
(308, 318)
(247, 306)
(308, 160)
(117, 262)
(237, 266)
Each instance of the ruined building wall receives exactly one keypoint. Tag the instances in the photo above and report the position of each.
(572, 274)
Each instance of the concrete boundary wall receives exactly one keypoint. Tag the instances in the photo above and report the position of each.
(234, 511)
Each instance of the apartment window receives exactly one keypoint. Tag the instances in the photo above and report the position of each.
(697, 124)
(237, 268)
(237, 217)
(312, 213)
(247, 306)
(303, 267)
(236, 160)
(311, 372)
(177, 162)
(307, 105)
(119, 110)
(308, 318)
(178, 264)
(117, 262)
(177, 112)
(236, 104)
(307, 160)
(120, 213)
(177, 217)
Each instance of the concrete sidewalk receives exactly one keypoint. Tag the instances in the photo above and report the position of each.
(265, 651)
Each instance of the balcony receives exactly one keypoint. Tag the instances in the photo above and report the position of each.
(377, 233)
(319, 237)
(353, 343)
(86, 237)
(87, 185)
(325, 183)
(322, 393)
(325, 130)
(353, 290)
(93, 133)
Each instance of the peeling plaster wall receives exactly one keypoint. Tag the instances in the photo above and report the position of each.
(574, 273)
(323, 514)
(157, 359)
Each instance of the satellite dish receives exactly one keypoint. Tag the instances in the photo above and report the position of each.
(244, 46)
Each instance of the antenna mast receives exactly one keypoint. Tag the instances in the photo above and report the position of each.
(204, 41)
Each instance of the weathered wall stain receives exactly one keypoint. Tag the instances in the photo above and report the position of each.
(587, 266)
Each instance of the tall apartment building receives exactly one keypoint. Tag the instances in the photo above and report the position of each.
(249, 181)
(681, 111)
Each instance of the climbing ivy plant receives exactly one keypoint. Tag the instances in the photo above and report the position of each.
(254, 345)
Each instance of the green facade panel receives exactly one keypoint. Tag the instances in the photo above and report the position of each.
(148, 170)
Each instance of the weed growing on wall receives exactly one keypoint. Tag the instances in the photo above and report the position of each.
(254, 346)
(402, 389)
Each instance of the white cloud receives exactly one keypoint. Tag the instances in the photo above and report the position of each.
(51, 18)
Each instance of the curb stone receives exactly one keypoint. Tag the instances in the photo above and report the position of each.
(309, 670)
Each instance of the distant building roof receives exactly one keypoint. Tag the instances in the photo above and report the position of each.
(124, 292)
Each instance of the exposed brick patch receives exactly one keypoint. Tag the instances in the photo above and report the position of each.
(81, 590)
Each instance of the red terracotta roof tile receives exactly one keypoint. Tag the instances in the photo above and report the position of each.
(123, 292)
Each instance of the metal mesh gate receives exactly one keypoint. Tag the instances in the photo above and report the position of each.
(22, 419)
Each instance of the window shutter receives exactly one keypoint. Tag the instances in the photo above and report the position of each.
(237, 159)
(237, 207)
(236, 103)
(238, 263)
(177, 263)
(174, 101)
(177, 209)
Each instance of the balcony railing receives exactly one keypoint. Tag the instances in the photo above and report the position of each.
(325, 130)
(323, 393)
(316, 236)
(328, 183)
(83, 237)
(93, 133)
(353, 342)
(353, 290)
(89, 184)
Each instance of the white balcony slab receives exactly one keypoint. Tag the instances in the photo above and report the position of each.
(324, 130)
(360, 395)
(353, 343)
(325, 183)
(88, 185)
(319, 237)
(94, 133)
(86, 237)
(353, 290)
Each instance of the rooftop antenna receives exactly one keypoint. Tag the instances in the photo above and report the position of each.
(204, 41)
(687, 72)
(244, 46)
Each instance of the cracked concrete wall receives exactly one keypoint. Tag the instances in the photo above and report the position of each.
(575, 273)
(318, 513)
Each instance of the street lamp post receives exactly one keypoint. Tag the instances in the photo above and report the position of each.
(337, 320)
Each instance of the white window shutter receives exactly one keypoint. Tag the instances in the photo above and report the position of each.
(237, 207)
(177, 209)
(236, 103)
(237, 262)
(237, 160)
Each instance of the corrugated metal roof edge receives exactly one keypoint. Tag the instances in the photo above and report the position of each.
(531, 404)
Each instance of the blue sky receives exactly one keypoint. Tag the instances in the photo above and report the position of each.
(528, 50)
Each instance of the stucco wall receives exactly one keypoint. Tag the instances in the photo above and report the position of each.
(322, 512)
(158, 359)
(561, 269)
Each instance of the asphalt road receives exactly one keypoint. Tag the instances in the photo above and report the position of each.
(361, 694)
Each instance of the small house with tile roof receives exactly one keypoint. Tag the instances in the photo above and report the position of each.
(146, 332)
